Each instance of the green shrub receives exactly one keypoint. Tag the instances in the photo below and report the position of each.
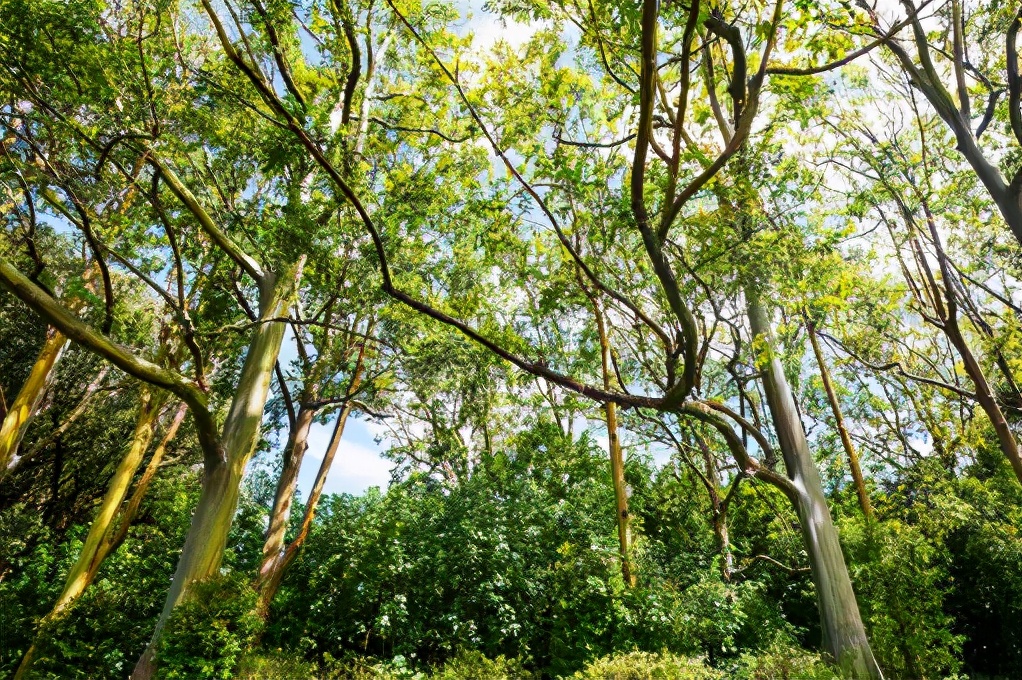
(901, 586)
(646, 666)
(784, 662)
(208, 633)
(467, 665)
(354, 667)
(277, 665)
(471, 665)
(105, 630)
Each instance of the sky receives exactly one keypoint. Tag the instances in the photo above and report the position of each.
(357, 466)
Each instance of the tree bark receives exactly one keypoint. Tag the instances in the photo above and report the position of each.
(92, 553)
(846, 440)
(844, 636)
(38, 446)
(21, 411)
(287, 483)
(617, 473)
(953, 329)
(117, 537)
(276, 563)
(927, 80)
(718, 509)
(222, 475)
(277, 556)
(617, 464)
(984, 394)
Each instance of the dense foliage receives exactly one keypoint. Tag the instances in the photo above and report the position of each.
(691, 332)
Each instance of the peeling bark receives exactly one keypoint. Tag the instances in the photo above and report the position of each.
(277, 556)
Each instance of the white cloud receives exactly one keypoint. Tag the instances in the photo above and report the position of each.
(357, 466)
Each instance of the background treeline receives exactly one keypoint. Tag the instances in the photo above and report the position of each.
(519, 560)
(691, 330)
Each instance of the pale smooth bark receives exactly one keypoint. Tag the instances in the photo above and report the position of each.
(844, 636)
(25, 405)
(617, 473)
(120, 356)
(926, 78)
(115, 538)
(222, 474)
(88, 560)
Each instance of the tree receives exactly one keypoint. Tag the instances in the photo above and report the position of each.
(845, 636)
(956, 110)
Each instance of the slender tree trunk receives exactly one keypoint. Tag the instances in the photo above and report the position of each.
(846, 440)
(83, 404)
(275, 564)
(287, 483)
(617, 463)
(93, 553)
(844, 636)
(21, 411)
(952, 328)
(617, 472)
(984, 394)
(276, 556)
(115, 538)
(718, 510)
(222, 475)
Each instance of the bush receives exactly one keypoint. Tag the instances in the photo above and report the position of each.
(646, 666)
(277, 665)
(208, 633)
(784, 662)
(105, 630)
(356, 668)
(467, 665)
(475, 666)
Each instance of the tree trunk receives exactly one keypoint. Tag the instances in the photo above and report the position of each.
(617, 473)
(21, 411)
(115, 538)
(846, 440)
(40, 445)
(952, 328)
(221, 482)
(718, 510)
(276, 556)
(275, 564)
(287, 483)
(617, 463)
(844, 636)
(93, 553)
(984, 394)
